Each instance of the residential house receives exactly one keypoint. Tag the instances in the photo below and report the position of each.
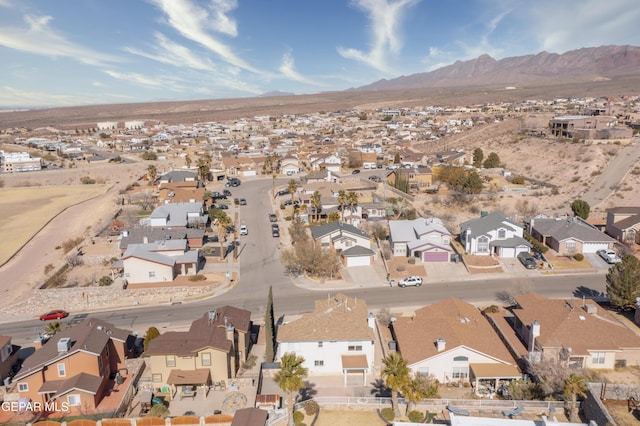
(195, 237)
(589, 127)
(493, 234)
(181, 192)
(336, 338)
(250, 417)
(418, 178)
(177, 215)
(331, 162)
(8, 357)
(160, 261)
(576, 332)
(568, 236)
(290, 166)
(426, 239)
(453, 158)
(212, 350)
(178, 176)
(623, 224)
(342, 237)
(77, 366)
(453, 342)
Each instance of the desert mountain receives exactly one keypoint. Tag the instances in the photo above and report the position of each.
(586, 64)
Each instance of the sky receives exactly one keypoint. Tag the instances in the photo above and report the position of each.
(83, 52)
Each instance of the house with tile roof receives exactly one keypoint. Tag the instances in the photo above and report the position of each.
(576, 331)
(623, 224)
(353, 244)
(159, 262)
(195, 237)
(418, 178)
(177, 215)
(181, 192)
(493, 234)
(424, 238)
(336, 338)
(178, 176)
(453, 342)
(212, 350)
(77, 367)
(568, 236)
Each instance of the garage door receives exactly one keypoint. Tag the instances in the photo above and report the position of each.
(593, 247)
(508, 252)
(358, 261)
(435, 256)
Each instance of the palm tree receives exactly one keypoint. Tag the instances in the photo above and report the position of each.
(352, 200)
(52, 328)
(574, 385)
(342, 200)
(396, 377)
(203, 167)
(222, 222)
(152, 173)
(316, 202)
(292, 186)
(290, 378)
(187, 161)
(418, 389)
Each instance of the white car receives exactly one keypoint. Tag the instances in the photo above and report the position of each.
(609, 255)
(244, 230)
(412, 281)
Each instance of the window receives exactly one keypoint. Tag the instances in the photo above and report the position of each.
(460, 372)
(106, 351)
(570, 245)
(461, 358)
(99, 363)
(483, 245)
(502, 234)
(152, 274)
(62, 371)
(318, 363)
(23, 387)
(319, 344)
(423, 371)
(156, 377)
(353, 348)
(171, 361)
(206, 359)
(73, 400)
(597, 357)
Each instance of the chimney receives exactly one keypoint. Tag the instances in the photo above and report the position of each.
(230, 332)
(535, 332)
(440, 344)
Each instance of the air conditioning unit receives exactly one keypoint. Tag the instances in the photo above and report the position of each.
(64, 345)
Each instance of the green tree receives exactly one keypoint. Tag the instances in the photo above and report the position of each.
(623, 281)
(580, 208)
(316, 202)
(158, 410)
(472, 183)
(151, 334)
(342, 200)
(188, 161)
(222, 221)
(352, 200)
(333, 217)
(152, 173)
(478, 156)
(204, 167)
(574, 386)
(269, 328)
(419, 388)
(292, 186)
(395, 374)
(492, 161)
(149, 155)
(290, 378)
(53, 327)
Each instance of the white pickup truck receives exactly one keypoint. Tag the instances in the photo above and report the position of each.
(609, 256)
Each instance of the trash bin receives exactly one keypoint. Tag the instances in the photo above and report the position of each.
(392, 283)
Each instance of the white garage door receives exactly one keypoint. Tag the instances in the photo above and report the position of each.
(508, 252)
(593, 247)
(358, 261)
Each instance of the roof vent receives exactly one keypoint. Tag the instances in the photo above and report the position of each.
(582, 317)
(212, 315)
(64, 345)
(590, 308)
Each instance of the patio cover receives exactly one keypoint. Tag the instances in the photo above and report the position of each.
(495, 371)
(200, 376)
(354, 362)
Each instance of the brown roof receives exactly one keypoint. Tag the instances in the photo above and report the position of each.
(458, 322)
(83, 382)
(565, 323)
(199, 376)
(338, 317)
(202, 334)
(354, 362)
(4, 340)
(503, 371)
(250, 417)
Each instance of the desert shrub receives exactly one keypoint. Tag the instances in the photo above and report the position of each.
(493, 309)
(70, 243)
(105, 281)
(1, 183)
(198, 277)
(555, 191)
(48, 268)
(579, 257)
(411, 260)
(311, 407)
(400, 268)
(149, 155)
(517, 180)
(250, 362)
(298, 416)
(388, 414)
(416, 416)
(86, 180)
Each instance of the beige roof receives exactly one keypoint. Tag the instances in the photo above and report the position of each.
(354, 362)
(199, 376)
(566, 323)
(487, 370)
(338, 317)
(458, 322)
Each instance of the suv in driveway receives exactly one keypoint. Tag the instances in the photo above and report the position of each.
(609, 256)
(527, 260)
(412, 281)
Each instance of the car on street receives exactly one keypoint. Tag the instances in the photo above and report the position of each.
(233, 182)
(226, 193)
(282, 192)
(275, 230)
(412, 281)
(273, 217)
(54, 315)
(609, 256)
(243, 201)
(355, 172)
(527, 260)
(244, 230)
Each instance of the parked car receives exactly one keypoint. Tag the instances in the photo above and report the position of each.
(227, 193)
(243, 201)
(412, 281)
(54, 315)
(275, 230)
(233, 182)
(355, 172)
(244, 230)
(609, 256)
(282, 192)
(273, 217)
(527, 260)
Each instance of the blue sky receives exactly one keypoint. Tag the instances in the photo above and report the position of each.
(77, 52)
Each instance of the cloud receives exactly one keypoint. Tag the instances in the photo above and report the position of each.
(169, 52)
(40, 39)
(194, 23)
(288, 69)
(143, 80)
(11, 96)
(385, 17)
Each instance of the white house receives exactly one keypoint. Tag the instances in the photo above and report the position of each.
(353, 243)
(160, 261)
(426, 239)
(493, 234)
(176, 215)
(336, 338)
(330, 162)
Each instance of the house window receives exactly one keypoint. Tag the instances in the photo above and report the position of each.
(156, 377)
(73, 400)
(152, 274)
(171, 361)
(423, 371)
(461, 358)
(570, 245)
(502, 234)
(460, 372)
(318, 363)
(597, 357)
(319, 344)
(206, 359)
(106, 351)
(483, 245)
(127, 275)
(23, 387)
(62, 371)
(354, 348)
(99, 363)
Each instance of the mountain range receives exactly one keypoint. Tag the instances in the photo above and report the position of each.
(581, 65)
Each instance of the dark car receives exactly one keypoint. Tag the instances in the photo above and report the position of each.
(527, 260)
(355, 172)
(54, 315)
(243, 201)
(283, 192)
(226, 193)
(275, 230)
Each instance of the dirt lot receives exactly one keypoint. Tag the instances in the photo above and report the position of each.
(348, 418)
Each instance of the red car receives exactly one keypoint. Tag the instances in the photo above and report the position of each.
(54, 315)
